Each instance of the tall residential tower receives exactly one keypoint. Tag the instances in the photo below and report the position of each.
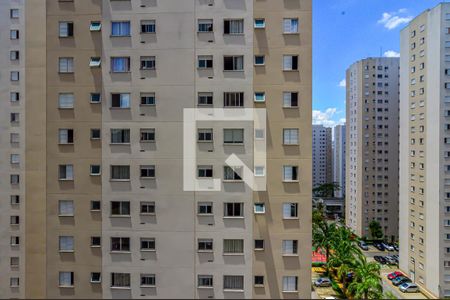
(322, 155)
(339, 146)
(372, 146)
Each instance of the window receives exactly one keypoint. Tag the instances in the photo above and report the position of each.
(233, 99)
(65, 208)
(65, 29)
(260, 97)
(95, 26)
(233, 209)
(147, 171)
(232, 173)
(120, 100)
(120, 136)
(14, 262)
(14, 75)
(15, 159)
(120, 64)
(260, 23)
(258, 281)
(148, 244)
(66, 65)
(14, 34)
(259, 134)
(66, 100)
(147, 135)
(65, 172)
(290, 99)
(290, 136)
(15, 199)
(147, 208)
(205, 171)
(95, 170)
(290, 210)
(233, 26)
(14, 13)
(233, 63)
(289, 247)
(290, 173)
(260, 171)
(14, 179)
(95, 134)
(233, 246)
(233, 282)
(120, 208)
(148, 26)
(148, 280)
(120, 173)
(66, 279)
(96, 277)
(66, 244)
(14, 55)
(120, 280)
(290, 283)
(205, 281)
(14, 117)
(205, 208)
(120, 244)
(205, 25)
(15, 241)
(205, 98)
(205, 61)
(14, 96)
(205, 245)
(259, 60)
(233, 136)
(14, 137)
(14, 220)
(290, 26)
(120, 28)
(148, 62)
(148, 99)
(96, 98)
(96, 241)
(205, 135)
(259, 245)
(14, 282)
(290, 62)
(95, 62)
(96, 205)
(65, 136)
(259, 208)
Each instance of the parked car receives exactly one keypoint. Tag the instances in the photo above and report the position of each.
(388, 246)
(390, 260)
(396, 247)
(380, 259)
(323, 282)
(363, 245)
(393, 275)
(409, 287)
(400, 280)
(379, 246)
(395, 256)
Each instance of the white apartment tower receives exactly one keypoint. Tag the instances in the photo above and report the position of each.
(322, 155)
(339, 158)
(425, 150)
(372, 145)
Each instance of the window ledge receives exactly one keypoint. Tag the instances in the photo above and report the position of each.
(293, 218)
(290, 292)
(200, 32)
(259, 213)
(205, 251)
(205, 287)
(234, 34)
(66, 251)
(120, 252)
(119, 36)
(147, 286)
(259, 285)
(291, 181)
(147, 142)
(290, 144)
(291, 33)
(63, 179)
(119, 180)
(111, 144)
(205, 215)
(290, 107)
(66, 286)
(65, 216)
(120, 287)
(59, 72)
(232, 180)
(143, 104)
(147, 178)
(118, 108)
(120, 216)
(284, 70)
(205, 142)
(65, 144)
(258, 249)
(259, 65)
(147, 214)
(290, 255)
(228, 217)
(233, 291)
(200, 68)
(234, 71)
(95, 246)
(95, 282)
(147, 69)
(233, 254)
(65, 108)
(95, 174)
(233, 144)
(148, 250)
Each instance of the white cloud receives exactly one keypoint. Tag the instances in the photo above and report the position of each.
(325, 118)
(391, 53)
(392, 20)
(343, 83)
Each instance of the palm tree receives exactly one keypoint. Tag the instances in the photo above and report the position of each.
(323, 237)
(367, 281)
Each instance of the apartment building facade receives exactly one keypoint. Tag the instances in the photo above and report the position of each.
(372, 146)
(339, 146)
(106, 84)
(424, 151)
(322, 155)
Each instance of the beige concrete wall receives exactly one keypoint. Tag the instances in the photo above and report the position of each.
(271, 227)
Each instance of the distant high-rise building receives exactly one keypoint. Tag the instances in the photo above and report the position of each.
(425, 150)
(372, 145)
(339, 158)
(322, 155)
(93, 96)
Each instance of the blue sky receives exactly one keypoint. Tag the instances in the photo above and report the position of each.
(345, 31)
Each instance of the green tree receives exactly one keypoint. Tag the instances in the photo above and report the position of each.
(367, 283)
(376, 231)
(323, 234)
(326, 190)
(389, 295)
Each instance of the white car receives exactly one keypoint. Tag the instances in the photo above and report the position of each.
(388, 247)
(323, 282)
(409, 287)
